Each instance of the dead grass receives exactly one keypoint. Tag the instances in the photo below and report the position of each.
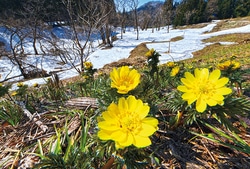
(214, 53)
(236, 37)
(231, 23)
(177, 38)
(193, 26)
(135, 59)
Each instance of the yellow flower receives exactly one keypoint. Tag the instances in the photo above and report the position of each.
(170, 64)
(235, 65)
(204, 88)
(126, 123)
(1, 85)
(150, 53)
(175, 71)
(224, 66)
(88, 65)
(85, 77)
(14, 93)
(35, 85)
(124, 79)
(20, 84)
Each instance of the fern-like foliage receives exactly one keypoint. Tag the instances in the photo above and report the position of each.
(232, 109)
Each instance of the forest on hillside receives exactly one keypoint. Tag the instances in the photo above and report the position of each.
(175, 12)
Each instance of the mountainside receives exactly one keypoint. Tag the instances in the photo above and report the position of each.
(150, 7)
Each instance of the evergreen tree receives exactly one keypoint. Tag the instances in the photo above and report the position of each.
(226, 8)
(242, 8)
(211, 11)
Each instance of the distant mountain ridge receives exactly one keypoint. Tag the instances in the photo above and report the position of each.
(150, 6)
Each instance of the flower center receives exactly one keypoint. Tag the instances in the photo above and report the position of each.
(129, 123)
(126, 81)
(204, 89)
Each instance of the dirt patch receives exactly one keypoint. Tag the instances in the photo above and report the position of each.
(193, 26)
(135, 59)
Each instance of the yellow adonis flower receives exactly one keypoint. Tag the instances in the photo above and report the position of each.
(88, 65)
(170, 64)
(20, 84)
(204, 88)
(124, 79)
(235, 65)
(35, 85)
(175, 71)
(14, 93)
(126, 123)
(150, 53)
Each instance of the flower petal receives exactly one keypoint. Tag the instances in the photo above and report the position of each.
(106, 125)
(104, 135)
(127, 141)
(224, 91)
(151, 121)
(140, 141)
(182, 88)
(201, 105)
(221, 82)
(146, 130)
(214, 75)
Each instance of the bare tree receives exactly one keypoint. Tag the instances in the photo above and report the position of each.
(34, 12)
(18, 38)
(86, 17)
(121, 6)
(168, 12)
(134, 5)
(108, 7)
(145, 18)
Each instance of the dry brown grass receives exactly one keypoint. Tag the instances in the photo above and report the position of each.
(177, 38)
(231, 23)
(240, 38)
(193, 26)
(214, 53)
(135, 59)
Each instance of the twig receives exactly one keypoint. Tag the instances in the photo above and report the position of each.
(210, 154)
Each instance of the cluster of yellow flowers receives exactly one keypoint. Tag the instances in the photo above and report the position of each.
(229, 65)
(126, 123)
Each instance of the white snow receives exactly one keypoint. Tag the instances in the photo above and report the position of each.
(179, 50)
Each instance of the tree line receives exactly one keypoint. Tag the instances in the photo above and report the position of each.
(196, 11)
(172, 12)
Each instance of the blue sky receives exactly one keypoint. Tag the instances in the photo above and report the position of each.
(141, 2)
